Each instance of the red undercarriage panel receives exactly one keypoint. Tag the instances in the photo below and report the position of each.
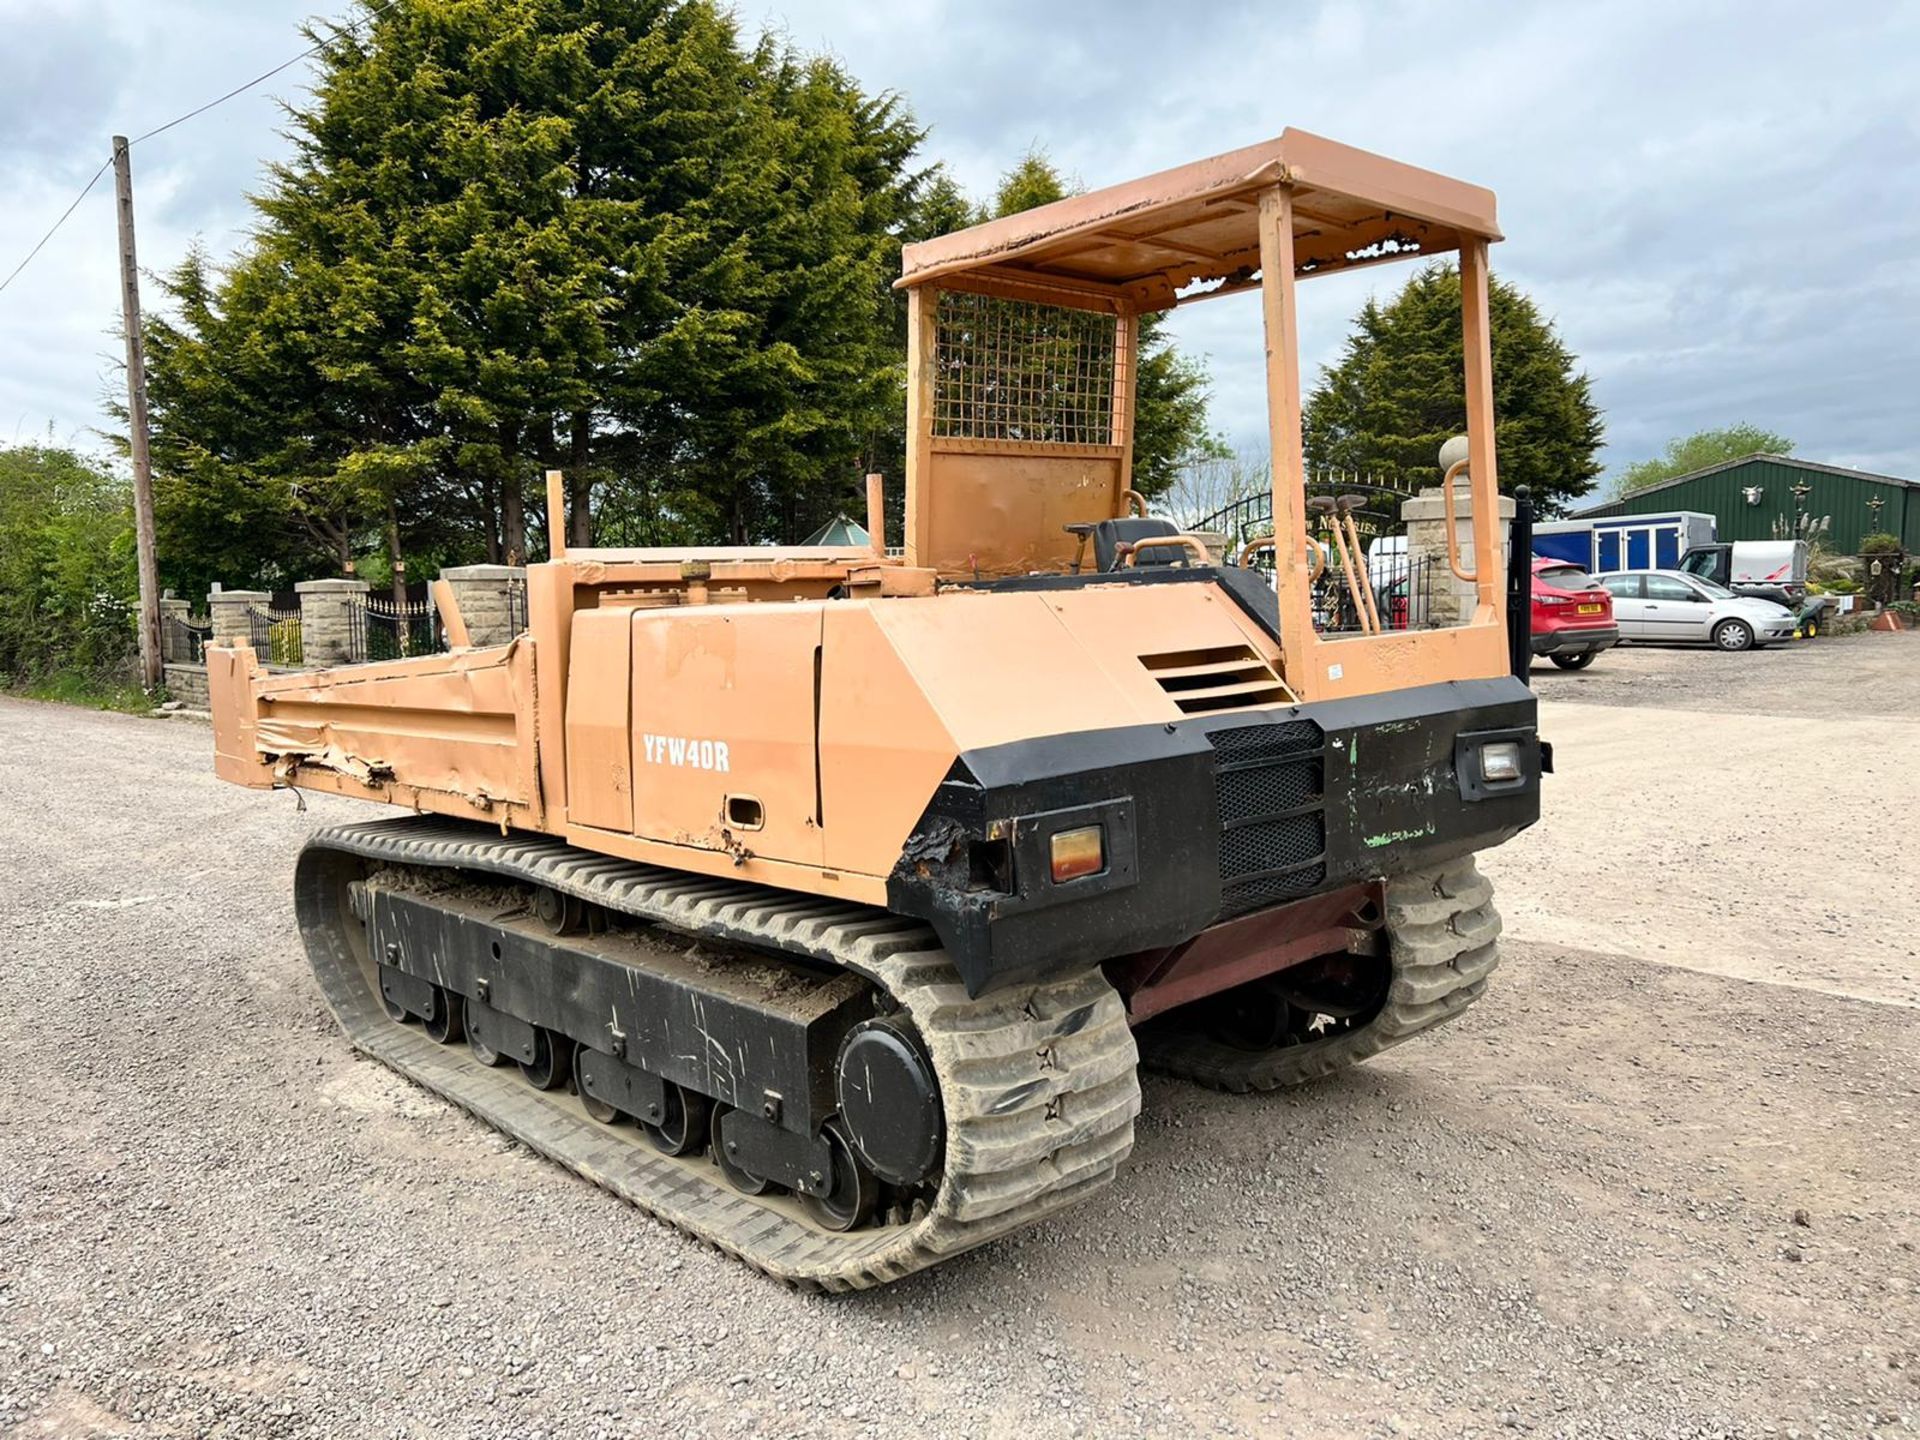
(1245, 949)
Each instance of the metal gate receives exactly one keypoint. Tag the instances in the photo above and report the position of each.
(1402, 584)
(274, 632)
(184, 642)
(380, 629)
(517, 606)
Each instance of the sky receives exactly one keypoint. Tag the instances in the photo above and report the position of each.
(1717, 204)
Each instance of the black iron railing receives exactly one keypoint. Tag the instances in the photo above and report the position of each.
(1403, 589)
(184, 642)
(1248, 518)
(1403, 586)
(383, 629)
(275, 635)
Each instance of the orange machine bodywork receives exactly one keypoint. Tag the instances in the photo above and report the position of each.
(833, 720)
(783, 715)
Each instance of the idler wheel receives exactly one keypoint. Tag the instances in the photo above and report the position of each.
(445, 1022)
(683, 1128)
(740, 1178)
(890, 1100)
(855, 1190)
(552, 1060)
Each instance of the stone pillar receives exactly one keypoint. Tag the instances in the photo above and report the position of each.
(1216, 543)
(326, 627)
(229, 611)
(1450, 600)
(484, 593)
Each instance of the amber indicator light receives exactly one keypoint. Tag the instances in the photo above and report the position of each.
(1078, 852)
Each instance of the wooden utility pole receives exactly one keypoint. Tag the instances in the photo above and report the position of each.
(137, 423)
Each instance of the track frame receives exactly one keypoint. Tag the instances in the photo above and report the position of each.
(1038, 1082)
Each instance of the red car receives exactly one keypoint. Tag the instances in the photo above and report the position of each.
(1572, 615)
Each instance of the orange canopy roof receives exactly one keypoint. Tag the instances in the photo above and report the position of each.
(1146, 239)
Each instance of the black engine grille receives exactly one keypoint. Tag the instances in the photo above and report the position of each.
(1270, 782)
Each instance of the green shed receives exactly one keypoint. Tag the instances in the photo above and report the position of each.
(1747, 497)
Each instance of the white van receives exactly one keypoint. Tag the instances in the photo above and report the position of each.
(1773, 570)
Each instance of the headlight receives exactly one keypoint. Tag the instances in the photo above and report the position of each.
(1500, 762)
(1078, 852)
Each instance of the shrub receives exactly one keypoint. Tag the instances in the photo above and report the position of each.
(67, 586)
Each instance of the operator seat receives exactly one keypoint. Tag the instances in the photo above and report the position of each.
(1110, 535)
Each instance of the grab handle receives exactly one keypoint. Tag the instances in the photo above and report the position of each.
(1318, 557)
(1453, 534)
(1168, 542)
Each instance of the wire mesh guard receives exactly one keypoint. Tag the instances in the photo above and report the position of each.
(1018, 370)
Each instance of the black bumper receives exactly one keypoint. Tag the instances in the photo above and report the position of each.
(1205, 820)
(1576, 641)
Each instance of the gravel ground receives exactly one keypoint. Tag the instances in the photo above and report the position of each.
(1861, 675)
(1751, 815)
(1620, 1197)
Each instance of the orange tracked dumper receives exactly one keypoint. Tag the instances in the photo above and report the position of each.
(825, 902)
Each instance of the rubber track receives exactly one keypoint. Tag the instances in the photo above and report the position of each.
(1039, 1082)
(1442, 938)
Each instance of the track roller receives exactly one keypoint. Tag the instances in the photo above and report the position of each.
(599, 1109)
(853, 1191)
(482, 1051)
(552, 1063)
(445, 1021)
(683, 1129)
(737, 1175)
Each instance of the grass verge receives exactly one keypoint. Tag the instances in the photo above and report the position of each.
(96, 692)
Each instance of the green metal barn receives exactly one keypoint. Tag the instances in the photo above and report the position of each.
(1748, 497)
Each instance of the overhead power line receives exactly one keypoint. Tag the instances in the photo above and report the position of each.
(41, 243)
(237, 90)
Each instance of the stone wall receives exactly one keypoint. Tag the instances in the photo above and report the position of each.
(188, 685)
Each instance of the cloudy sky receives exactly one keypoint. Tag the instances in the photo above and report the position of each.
(1717, 203)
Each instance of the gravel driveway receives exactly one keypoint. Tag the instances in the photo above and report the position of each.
(1620, 1197)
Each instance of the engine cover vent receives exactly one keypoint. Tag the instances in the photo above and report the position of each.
(1226, 677)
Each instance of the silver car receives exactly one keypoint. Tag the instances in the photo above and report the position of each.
(1684, 609)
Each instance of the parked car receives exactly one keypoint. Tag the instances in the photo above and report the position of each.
(1684, 609)
(1572, 614)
